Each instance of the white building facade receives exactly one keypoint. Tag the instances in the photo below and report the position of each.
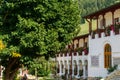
(103, 46)
(73, 61)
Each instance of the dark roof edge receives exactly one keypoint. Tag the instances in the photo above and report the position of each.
(104, 9)
(81, 36)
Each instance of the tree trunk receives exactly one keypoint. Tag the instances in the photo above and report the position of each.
(9, 75)
(11, 69)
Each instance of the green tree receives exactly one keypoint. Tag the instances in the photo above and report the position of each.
(34, 28)
(41, 66)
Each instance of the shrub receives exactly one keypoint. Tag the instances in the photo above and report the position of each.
(111, 69)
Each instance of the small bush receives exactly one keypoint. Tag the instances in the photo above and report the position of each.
(111, 69)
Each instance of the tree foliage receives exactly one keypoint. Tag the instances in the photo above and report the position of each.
(42, 67)
(32, 28)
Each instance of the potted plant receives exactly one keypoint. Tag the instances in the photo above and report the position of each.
(79, 50)
(108, 29)
(117, 27)
(85, 50)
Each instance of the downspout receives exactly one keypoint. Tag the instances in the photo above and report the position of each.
(90, 25)
(113, 18)
(104, 23)
(113, 22)
(97, 25)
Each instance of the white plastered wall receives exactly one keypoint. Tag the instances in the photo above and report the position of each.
(96, 48)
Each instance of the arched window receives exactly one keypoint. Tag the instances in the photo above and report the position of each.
(75, 68)
(58, 70)
(107, 56)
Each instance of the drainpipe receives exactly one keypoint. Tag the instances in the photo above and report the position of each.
(97, 24)
(90, 25)
(104, 24)
(113, 17)
(113, 22)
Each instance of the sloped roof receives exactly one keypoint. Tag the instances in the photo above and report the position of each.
(102, 11)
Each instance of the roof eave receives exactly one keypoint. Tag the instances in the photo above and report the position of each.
(102, 11)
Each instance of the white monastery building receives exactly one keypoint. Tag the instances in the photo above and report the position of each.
(91, 55)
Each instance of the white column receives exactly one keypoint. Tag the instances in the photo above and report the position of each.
(84, 71)
(60, 70)
(73, 70)
(63, 67)
(84, 74)
(78, 68)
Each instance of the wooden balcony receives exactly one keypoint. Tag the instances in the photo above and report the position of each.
(75, 52)
(115, 28)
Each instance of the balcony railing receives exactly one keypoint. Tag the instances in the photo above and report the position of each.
(75, 52)
(115, 28)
